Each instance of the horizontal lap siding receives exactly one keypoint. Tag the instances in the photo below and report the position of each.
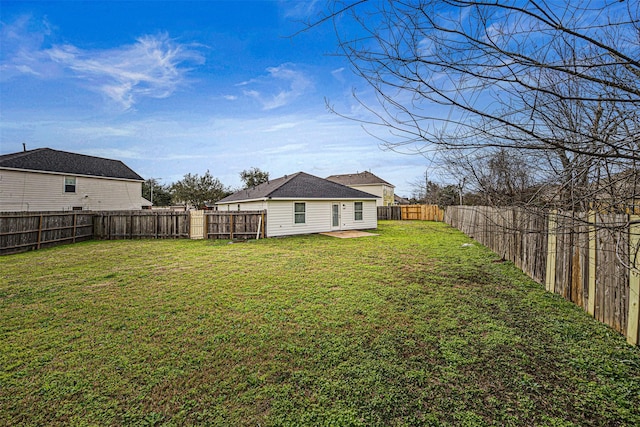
(369, 216)
(280, 219)
(108, 194)
(33, 191)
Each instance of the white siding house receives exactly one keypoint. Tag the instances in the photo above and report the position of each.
(52, 180)
(304, 204)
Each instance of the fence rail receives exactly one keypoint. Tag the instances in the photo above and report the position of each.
(114, 225)
(587, 258)
(411, 212)
(235, 225)
(24, 231)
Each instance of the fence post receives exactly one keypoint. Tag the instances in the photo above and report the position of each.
(75, 223)
(634, 280)
(39, 232)
(550, 279)
(591, 307)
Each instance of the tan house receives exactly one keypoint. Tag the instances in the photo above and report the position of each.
(369, 183)
(51, 180)
(306, 204)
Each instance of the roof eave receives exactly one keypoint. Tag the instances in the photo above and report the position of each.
(228, 202)
(69, 174)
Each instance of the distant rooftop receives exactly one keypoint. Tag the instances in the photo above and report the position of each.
(361, 178)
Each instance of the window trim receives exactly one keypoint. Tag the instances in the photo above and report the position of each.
(67, 186)
(297, 214)
(357, 211)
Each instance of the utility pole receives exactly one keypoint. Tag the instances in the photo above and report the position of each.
(426, 184)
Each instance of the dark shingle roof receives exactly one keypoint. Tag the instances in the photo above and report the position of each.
(298, 186)
(48, 160)
(362, 178)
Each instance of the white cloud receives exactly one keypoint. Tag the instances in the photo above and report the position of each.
(283, 85)
(280, 126)
(21, 42)
(151, 67)
(300, 9)
(338, 74)
(25, 69)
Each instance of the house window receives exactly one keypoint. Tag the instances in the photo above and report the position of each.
(357, 209)
(299, 213)
(69, 184)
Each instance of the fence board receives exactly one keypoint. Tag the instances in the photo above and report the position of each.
(24, 231)
(583, 257)
(235, 225)
(633, 333)
(411, 212)
(114, 225)
(389, 213)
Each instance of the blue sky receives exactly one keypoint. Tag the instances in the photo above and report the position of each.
(172, 88)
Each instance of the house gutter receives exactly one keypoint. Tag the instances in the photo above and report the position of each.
(69, 174)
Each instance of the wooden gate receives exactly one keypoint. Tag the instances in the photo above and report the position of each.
(196, 225)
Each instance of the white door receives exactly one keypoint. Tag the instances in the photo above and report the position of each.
(335, 216)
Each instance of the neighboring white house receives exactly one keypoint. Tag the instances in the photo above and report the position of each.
(304, 204)
(51, 180)
(369, 183)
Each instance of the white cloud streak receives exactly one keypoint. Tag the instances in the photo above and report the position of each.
(154, 66)
(151, 67)
(283, 85)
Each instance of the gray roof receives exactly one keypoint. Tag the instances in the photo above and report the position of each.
(298, 186)
(362, 178)
(48, 160)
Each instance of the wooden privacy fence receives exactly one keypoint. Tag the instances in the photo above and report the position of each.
(590, 259)
(411, 212)
(176, 225)
(142, 224)
(24, 231)
(235, 225)
(389, 212)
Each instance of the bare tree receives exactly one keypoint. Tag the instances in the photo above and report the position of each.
(556, 80)
(499, 177)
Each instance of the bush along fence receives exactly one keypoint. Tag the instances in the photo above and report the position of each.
(590, 258)
(25, 231)
(411, 212)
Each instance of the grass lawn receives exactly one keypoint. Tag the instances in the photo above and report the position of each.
(406, 328)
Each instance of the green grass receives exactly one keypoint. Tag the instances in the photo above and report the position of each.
(406, 328)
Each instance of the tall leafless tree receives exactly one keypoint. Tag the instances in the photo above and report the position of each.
(556, 80)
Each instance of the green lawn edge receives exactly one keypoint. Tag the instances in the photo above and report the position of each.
(416, 326)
